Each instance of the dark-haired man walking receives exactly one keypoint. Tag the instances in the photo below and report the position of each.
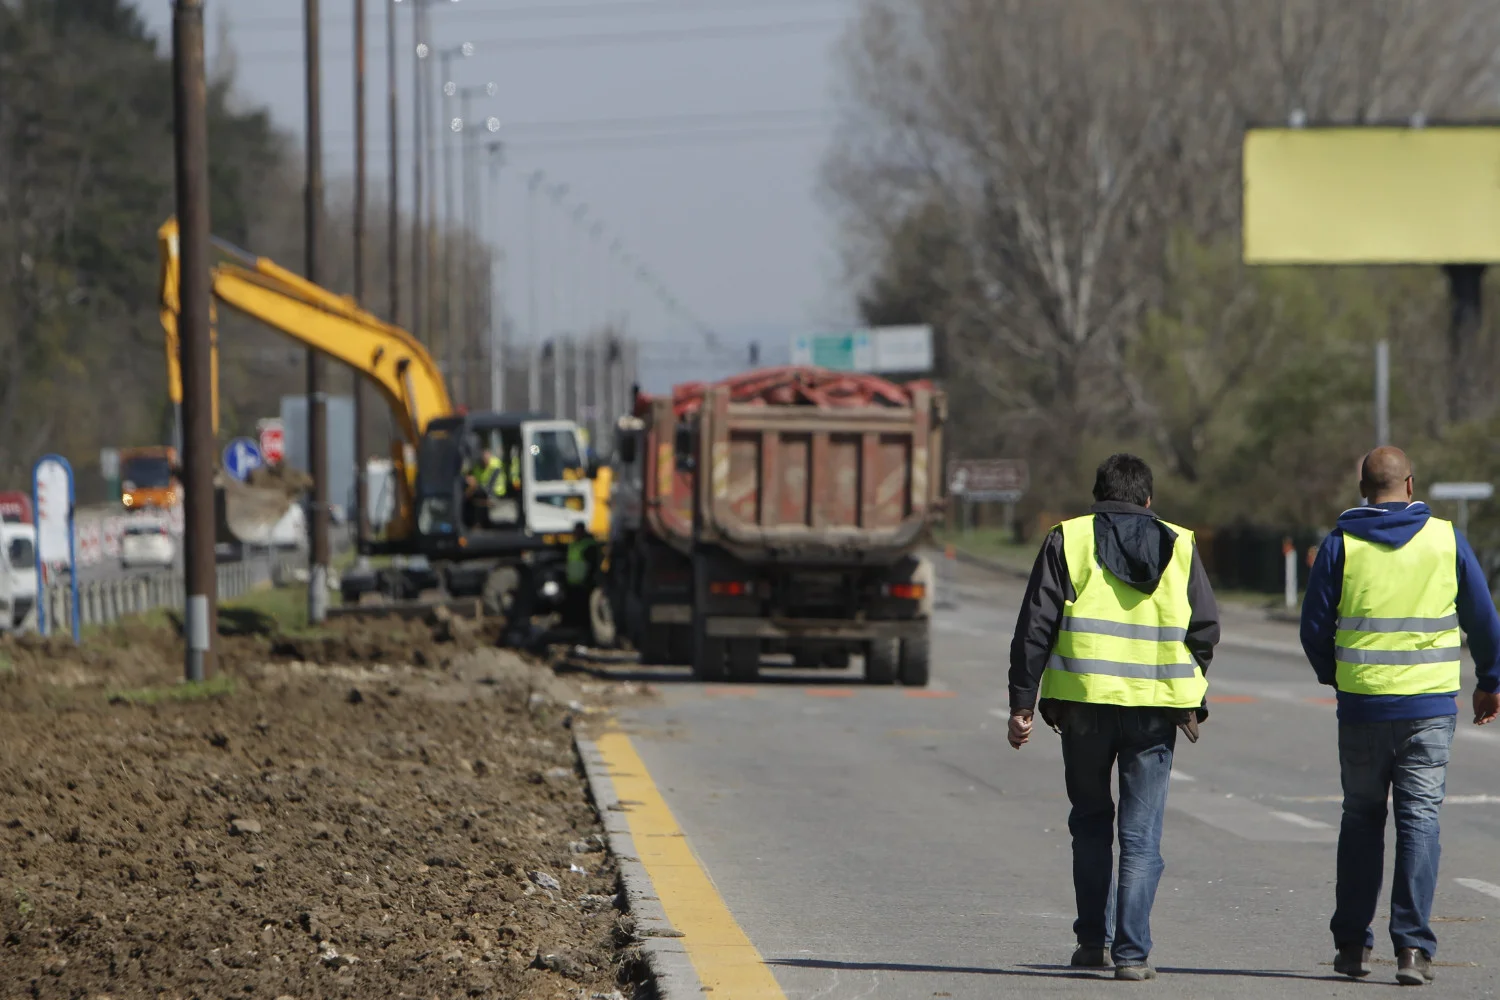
(1117, 629)
(1388, 593)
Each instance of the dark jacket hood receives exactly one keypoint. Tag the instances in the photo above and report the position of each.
(1392, 524)
(1132, 543)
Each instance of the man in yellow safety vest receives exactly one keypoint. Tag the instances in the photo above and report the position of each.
(1116, 630)
(1388, 592)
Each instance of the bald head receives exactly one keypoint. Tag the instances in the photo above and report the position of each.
(1384, 476)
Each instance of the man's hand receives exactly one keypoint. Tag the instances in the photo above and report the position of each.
(1019, 730)
(1486, 706)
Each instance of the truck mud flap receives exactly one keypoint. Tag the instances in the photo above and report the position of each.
(814, 628)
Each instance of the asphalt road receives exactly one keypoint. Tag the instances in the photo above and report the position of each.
(888, 843)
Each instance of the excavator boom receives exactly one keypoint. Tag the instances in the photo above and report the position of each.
(393, 360)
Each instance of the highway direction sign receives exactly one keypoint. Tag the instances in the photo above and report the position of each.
(240, 457)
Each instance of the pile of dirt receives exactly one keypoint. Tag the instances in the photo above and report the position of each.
(370, 828)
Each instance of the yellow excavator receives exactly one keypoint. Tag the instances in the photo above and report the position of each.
(512, 548)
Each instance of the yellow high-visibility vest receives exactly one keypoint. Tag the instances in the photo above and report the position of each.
(1120, 646)
(1398, 615)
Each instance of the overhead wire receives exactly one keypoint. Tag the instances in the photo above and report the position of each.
(528, 12)
(607, 38)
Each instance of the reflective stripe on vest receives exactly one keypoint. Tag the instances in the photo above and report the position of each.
(1398, 623)
(1117, 645)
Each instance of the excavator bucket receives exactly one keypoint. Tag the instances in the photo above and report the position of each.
(248, 513)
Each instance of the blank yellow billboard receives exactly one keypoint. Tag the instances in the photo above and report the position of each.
(1372, 195)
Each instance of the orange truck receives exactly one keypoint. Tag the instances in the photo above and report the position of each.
(148, 478)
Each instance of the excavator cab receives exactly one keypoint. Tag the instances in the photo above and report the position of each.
(543, 491)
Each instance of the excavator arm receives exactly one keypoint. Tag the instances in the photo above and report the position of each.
(334, 325)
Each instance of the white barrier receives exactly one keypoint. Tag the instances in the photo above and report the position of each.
(101, 602)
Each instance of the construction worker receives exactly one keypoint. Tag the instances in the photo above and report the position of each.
(1115, 634)
(1387, 595)
(580, 556)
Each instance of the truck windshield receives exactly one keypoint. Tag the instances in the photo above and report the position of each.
(146, 472)
(555, 454)
(21, 553)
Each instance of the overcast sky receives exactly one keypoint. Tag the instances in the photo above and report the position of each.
(693, 130)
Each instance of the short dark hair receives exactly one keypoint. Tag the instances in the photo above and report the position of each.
(1123, 478)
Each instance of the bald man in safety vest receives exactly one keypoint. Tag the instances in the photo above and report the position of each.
(1116, 631)
(1387, 596)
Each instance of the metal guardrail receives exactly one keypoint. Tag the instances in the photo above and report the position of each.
(101, 602)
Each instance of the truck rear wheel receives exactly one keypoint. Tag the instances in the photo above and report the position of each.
(744, 660)
(916, 661)
(710, 656)
(880, 660)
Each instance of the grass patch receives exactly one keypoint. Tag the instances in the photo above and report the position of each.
(992, 543)
(286, 606)
(214, 687)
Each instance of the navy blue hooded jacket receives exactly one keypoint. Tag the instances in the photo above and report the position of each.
(1395, 524)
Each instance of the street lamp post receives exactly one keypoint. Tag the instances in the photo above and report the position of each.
(460, 339)
(499, 332)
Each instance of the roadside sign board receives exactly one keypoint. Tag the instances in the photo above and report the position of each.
(272, 441)
(988, 479)
(1461, 491)
(109, 463)
(241, 456)
(889, 349)
(52, 497)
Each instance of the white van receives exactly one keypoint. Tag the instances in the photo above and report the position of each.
(18, 590)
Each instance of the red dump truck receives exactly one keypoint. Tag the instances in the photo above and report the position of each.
(779, 511)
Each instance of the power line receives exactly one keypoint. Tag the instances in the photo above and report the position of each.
(559, 11)
(709, 118)
(607, 38)
(655, 140)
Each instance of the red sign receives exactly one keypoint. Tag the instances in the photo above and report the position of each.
(15, 506)
(272, 442)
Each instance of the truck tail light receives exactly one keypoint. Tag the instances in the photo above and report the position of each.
(905, 591)
(731, 588)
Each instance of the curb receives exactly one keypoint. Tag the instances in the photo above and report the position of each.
(672, 971)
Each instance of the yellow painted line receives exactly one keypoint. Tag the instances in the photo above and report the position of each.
(726, 961)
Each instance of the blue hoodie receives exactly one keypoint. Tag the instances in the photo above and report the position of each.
(1395, 524)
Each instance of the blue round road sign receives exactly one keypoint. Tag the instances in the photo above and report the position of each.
(241, 456)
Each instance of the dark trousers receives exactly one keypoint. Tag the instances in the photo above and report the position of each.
(1140, 740)
(1407, 760)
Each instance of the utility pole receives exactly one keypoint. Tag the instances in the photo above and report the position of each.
(317, 412)
(419, 53)
(499, 341)
(1382, 393)
(190, 105)
(393, 186)
(533, 327)
(361, 445)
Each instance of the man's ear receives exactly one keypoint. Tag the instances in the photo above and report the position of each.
(1147, 504)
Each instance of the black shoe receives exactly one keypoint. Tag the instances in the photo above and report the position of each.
(1088, 957)
(1352, 960)
(1134, 973)
(1413, 967)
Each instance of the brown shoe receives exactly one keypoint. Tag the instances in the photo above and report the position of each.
(1414, 967)
(1352, 960)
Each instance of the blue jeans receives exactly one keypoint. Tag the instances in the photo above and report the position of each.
(1407, 759)
(1094, 737)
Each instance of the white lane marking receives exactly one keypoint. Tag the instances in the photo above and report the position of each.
(1302, 821)
(1477, 799)
(1249, 820)
(1478, 885)
(1182, 776)
(1480, 736)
